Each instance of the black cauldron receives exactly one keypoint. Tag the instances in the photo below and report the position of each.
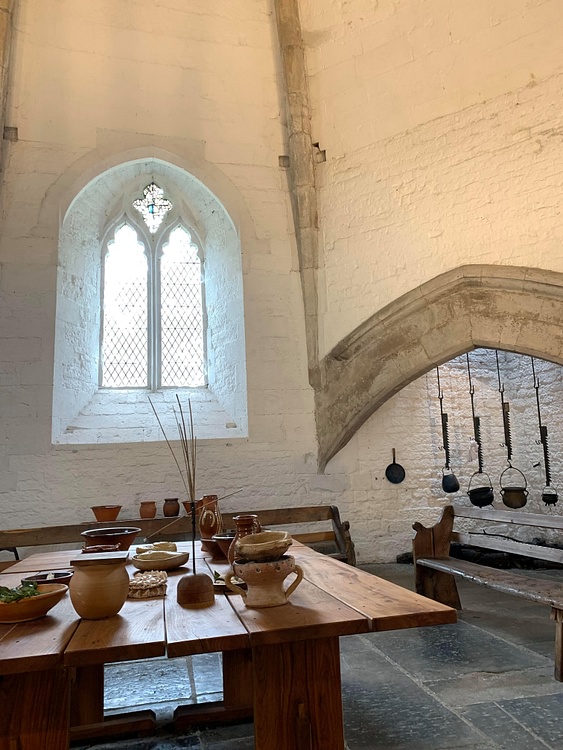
(483, 495)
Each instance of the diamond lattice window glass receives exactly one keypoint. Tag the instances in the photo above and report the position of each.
(181, 312)
(125, 312)
(153, 207)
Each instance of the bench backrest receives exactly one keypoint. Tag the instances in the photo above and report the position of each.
(502, 541)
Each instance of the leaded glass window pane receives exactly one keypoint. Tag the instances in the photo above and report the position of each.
(182, 349)
(153, 206)
(125, 330)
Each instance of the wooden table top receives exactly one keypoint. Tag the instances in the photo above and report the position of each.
(333, 599)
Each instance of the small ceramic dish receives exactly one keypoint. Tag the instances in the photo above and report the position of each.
(33, 607)
(54, 576)
(164, 561)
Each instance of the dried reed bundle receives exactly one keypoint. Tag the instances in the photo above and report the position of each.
(188, 444)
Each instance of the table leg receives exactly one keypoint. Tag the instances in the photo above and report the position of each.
(237, 695)
(87, 697)
(297, 696)
(237, 678)
(35, 710)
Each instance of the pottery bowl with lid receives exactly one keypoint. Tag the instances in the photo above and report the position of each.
(121, 535)
(264, 546)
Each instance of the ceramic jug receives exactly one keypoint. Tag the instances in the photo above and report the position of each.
(209, 519)
(99, 585)
(245, 524)
(265, 581)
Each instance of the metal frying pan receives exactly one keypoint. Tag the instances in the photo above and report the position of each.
(395, 472)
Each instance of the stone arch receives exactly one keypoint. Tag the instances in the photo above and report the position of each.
(501, 307)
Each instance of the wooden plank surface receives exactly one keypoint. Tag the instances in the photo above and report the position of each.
(386, 605)
(136, 632)
(310, 613)
(536, 589)
(197, 631)
(38, 644)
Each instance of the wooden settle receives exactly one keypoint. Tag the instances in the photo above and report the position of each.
(435, 569)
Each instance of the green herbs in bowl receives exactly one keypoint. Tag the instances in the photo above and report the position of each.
(24, 591)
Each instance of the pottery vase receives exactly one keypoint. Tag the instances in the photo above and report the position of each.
(265, 581)
(147, 509)
(171, 506)
(245, 525)
(99, 585)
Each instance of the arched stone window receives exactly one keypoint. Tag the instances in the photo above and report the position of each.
(149, 304)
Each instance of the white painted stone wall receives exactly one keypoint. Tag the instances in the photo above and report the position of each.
(441, 122)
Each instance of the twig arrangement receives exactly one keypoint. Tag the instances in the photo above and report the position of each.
(188, 443)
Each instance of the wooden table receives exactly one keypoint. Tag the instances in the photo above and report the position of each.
(281, 665)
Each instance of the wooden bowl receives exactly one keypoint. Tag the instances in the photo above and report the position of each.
(106, 512)
(35, 606)
(121, 535)
(168, 561)
(54, 576)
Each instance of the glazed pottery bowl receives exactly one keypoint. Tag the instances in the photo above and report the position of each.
(106, 512)
(121, 535)
(264, 546)
(55, 576)
(214, 548)
(35, 606)
(224, 540)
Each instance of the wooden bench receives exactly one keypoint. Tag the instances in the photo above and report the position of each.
(435, 569)
(334, 539)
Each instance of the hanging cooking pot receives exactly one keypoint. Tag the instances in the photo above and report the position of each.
(483, 495)
(549, 495)
(395, 472)
(515, 494)
(449, 482)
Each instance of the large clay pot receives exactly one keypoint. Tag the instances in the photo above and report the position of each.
(99, 585)
(264, 581)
